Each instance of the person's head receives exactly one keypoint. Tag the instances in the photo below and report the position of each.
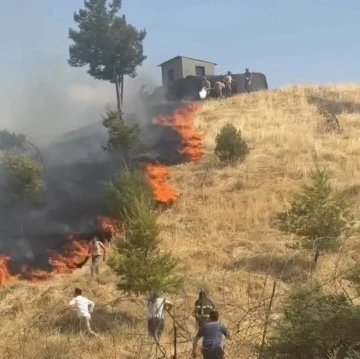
(205, 78)
(229, 73)
(214, 316)
(153, 296)
(78, 291)
(93, 240)
(246, 70)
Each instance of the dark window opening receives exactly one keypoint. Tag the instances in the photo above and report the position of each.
(171, 75)
(200, 70)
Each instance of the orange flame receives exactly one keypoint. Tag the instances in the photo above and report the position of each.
(5, 276)
(108, 224)
(158, 176)
(182, 121)
(74, 254)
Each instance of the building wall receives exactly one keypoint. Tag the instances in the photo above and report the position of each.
(183, 67)
(189, 65)
(175, 65)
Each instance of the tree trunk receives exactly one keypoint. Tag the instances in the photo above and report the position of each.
(118, 97)
(122, 91)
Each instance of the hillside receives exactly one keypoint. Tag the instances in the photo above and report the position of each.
(221, 229)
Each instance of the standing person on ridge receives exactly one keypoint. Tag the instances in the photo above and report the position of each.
(156, 313)
(212, 332)
(203, 307)
(228, 82)
(95, 248)
(248, 80)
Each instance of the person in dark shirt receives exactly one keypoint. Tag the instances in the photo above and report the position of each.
(248, 80)
(203, 307)
(212, 332)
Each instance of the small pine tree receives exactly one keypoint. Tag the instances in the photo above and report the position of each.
(138, 261)
(230, 146)
(318, 215)
(128, 187)
(122, 136)
(25, 180)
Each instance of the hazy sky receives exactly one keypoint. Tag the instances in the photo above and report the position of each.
(291, 41)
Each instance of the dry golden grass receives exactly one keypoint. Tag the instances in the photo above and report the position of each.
(221, 229)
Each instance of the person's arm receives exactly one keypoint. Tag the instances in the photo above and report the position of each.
(103, 248)
(72, 302)
(225, 332)
(198, 335)
(168, 305)
(91, 306)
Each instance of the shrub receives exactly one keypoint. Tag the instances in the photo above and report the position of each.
(122, 136)
(230, 146)
(128, 187)
(314, 325)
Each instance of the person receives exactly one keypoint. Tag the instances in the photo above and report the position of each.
(228, 82)
(219, 89)
(156, 314)
(203, 307)
(206, 84)
(212, 332)
(84, 308)
(248, 80)
(95, 247)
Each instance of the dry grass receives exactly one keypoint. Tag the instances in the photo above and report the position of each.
(221, 229)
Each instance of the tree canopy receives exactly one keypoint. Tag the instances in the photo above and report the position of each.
(111, 47)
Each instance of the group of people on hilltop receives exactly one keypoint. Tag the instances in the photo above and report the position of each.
(207, 318)
(223, 88)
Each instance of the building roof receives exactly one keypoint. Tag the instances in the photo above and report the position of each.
(191, 58)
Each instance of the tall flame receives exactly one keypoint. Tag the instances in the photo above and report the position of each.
(5, 276)
(181, 121)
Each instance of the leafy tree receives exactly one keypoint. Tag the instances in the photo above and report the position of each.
(314, 325)
(105, 42)
(318, 215)
(121, 135)
(138, 262)
(230, 146)
(25, 178)
(11, 140)
(127, 188)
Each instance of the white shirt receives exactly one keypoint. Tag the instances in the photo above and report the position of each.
(157, 309)
(228, 79)
(82, 305)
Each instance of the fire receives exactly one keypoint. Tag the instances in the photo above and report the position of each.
(74, 254)
(182, 121)
(108, 224)
(158, 175)
(5, 276)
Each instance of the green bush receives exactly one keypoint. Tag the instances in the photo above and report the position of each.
(122, 136)
(128, 187)
(314, 325)
(319, 215)
(230, 146)
(25, 180)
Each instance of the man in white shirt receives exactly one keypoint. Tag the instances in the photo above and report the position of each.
(219, 89)
(83, 308)
(156, 313)
(228, 81)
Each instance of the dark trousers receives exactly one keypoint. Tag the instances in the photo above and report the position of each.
(216, 353)
(155, 327)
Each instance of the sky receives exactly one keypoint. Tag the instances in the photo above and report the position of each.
(290, 41)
